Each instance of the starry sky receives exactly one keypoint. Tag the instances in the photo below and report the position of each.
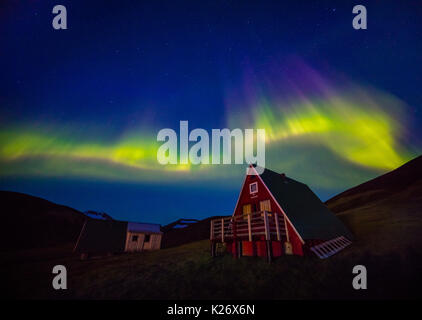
(80, 108)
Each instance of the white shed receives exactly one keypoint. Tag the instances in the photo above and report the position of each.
(142, 236)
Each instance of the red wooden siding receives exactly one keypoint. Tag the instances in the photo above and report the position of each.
(247, 248)
(254, 200)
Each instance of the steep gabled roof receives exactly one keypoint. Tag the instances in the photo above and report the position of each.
(311, 218)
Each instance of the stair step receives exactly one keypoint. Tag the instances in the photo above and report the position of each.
(330, 247)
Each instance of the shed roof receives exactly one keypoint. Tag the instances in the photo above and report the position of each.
(143, 227)
(311, 218)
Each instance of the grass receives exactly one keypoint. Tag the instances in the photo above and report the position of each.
(188, 272)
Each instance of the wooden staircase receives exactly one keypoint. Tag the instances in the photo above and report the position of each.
(330, 247)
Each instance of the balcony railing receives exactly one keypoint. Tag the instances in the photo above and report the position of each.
(249, 227)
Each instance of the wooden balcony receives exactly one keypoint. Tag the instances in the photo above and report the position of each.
(249, 227)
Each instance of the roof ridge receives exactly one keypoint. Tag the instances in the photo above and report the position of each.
(281, 175)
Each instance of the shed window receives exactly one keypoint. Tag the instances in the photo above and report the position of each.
(134, 238)
(253, 187)
(147, 238)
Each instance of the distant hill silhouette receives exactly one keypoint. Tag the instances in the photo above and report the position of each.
(407, 176)
(98, 215)
(193, 231)
(180, 223)
(30, 222)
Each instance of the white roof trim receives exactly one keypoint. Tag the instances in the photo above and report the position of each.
(240, 193)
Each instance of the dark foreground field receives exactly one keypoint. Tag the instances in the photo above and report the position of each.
(188, 272)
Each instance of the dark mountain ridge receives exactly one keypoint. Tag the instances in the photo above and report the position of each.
(32, 222)
(406, 176)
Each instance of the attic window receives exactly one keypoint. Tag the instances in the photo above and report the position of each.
(253, 187)
(147, 238)
(134, 238)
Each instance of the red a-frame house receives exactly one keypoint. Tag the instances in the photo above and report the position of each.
(276, 215)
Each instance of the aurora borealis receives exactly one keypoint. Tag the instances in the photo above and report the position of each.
(362, 127)
(80, 110)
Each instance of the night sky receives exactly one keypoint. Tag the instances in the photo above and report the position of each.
(80, 108)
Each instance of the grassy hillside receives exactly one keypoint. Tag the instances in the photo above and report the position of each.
(379, 188)
(32, 222)
(188, 272)
(385, 213)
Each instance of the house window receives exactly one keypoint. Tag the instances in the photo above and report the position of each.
(134, 238)
(265, 205)
(246, 210)
(147, 238)
(253, 187)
